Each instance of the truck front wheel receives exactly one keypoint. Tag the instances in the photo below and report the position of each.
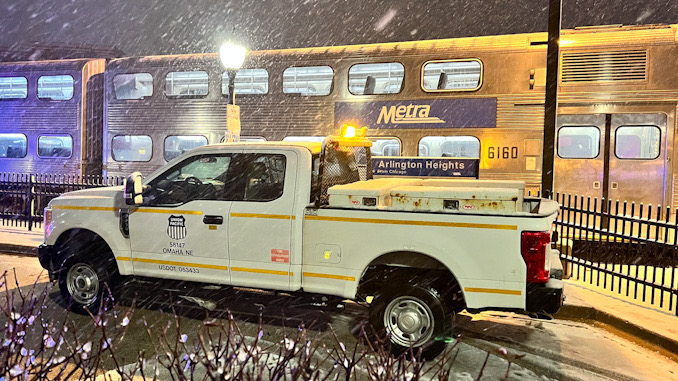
(414, 317)
(84, 282)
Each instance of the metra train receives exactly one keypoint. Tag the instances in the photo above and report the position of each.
(477, 97)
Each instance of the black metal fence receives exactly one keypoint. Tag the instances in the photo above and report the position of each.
(627, 248)
(23, 196)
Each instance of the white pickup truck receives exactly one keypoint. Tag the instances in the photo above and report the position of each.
(307, 217)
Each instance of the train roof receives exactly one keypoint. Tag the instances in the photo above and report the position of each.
(49, 65)
(603, 36)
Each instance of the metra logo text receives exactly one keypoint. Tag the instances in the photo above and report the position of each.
(407, 114)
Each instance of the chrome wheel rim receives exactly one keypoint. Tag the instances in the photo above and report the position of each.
(408, 321)
(83, 283)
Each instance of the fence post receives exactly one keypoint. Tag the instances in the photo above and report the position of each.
(29, 202)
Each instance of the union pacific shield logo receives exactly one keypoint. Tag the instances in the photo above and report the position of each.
(177, 227)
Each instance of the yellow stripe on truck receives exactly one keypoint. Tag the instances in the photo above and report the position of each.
(97, 208)
(330, 276)
(493, 291)
(260, 215)
(259, 271)
(166, 211)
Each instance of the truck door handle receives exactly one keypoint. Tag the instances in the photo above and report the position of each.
(213, 220)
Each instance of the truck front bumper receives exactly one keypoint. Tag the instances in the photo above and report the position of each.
(45, 255)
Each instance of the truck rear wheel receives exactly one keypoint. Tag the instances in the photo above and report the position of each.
(412, 317)
(85, 281)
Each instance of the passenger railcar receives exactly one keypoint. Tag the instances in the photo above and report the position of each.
(476, 97)
(51, 116)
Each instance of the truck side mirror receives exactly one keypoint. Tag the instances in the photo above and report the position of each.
(133, 189)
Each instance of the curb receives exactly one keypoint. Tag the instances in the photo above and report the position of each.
(574, 312)
(8, 248)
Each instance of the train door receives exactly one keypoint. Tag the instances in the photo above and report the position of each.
(637, 158)
(617, 156)
(579, 162)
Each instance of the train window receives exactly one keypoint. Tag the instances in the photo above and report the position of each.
(578, 142)
(186, 84)
(456, 75)
(378, 78)
(176, 145)
(385, 147)
(55, 87)
(55, 146)
(13, 87)
(133, 86)
(637, 142)
(449, 146)
(247, 82)
(308, 81)
(132, 148)
(13, 145)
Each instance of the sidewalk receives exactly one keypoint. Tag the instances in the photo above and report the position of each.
(583, 301)
(19, 240)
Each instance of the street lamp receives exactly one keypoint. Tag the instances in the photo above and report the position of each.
(232, 57)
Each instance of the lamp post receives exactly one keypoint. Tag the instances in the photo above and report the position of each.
(551, 98)
(232, 57)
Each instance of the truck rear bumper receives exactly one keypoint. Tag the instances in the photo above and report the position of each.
(545, 297)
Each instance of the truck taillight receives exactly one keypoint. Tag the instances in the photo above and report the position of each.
(534, 248)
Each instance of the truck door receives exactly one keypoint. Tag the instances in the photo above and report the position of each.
(260, 226)
(181, 231)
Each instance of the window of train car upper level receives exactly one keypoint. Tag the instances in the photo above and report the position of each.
(308, 80)
(386, 146)
(578, 142)
(177, 144)
(247, 82)
(133, 86)
(55, 87)
(13, 145)
(637, 142)
(55, 146)
(449, 146)
(452, 75)
(376, 78)
(186, 84)
(132, 148)
(13, 88)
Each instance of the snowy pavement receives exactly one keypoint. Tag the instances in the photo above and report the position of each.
(539, 350)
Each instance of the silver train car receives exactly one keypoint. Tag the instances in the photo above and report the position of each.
(476, 97)
(51, 116)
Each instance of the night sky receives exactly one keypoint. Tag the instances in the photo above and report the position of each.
(145, 27)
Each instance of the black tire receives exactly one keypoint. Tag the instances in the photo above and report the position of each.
(411, 316)
(86, 280)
